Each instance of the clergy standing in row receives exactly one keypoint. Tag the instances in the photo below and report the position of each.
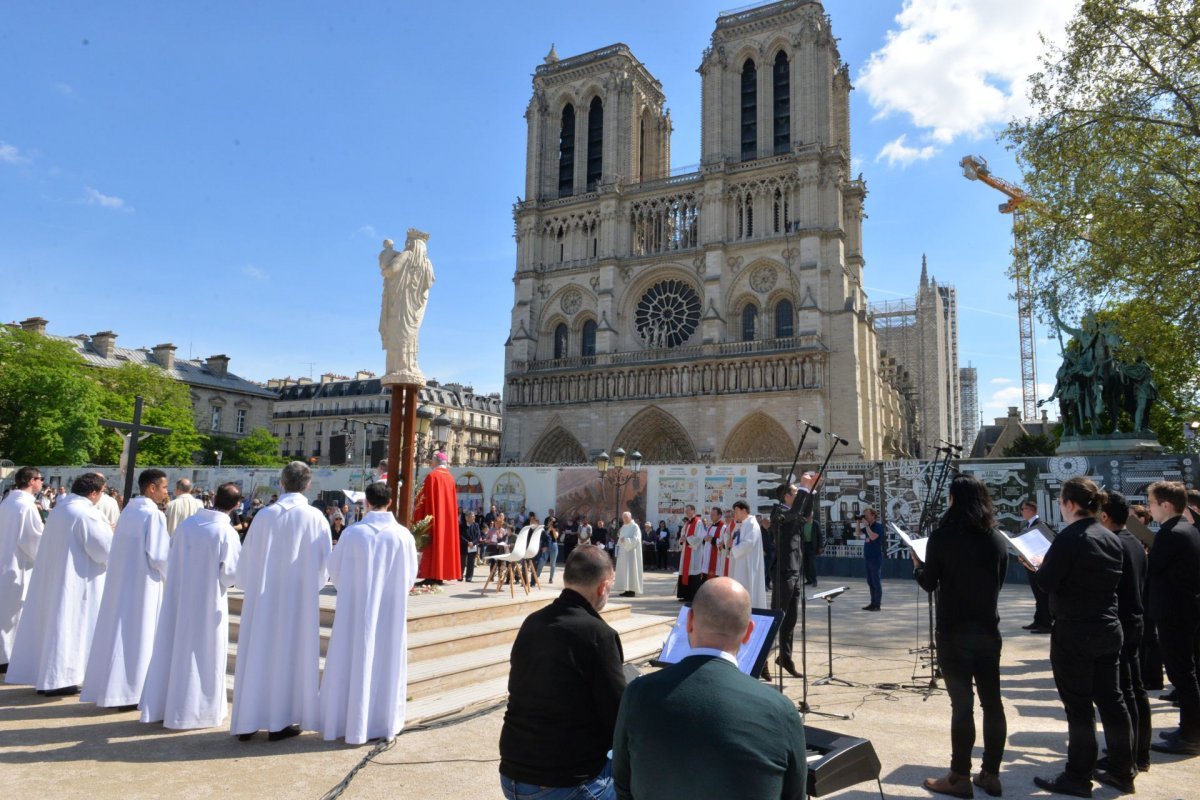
(721, 531)
(374, 567)
(20, 532)
(185, 686)
(440, 560)
(693, 544)
(133, 590)
(746, 555)
(55, 634)
(629, 558)
(283, 567)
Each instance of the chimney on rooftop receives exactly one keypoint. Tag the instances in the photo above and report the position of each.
(164, 355)
(104, 343)
(34, 325)
(363, 375)
(218, 366)
(328, 377)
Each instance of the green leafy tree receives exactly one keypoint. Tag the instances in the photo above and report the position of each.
(1111, 158)
(167, 403)
(48, 401)
(1031, 445)
(258, 449)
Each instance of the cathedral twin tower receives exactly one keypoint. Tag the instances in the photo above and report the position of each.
(694, 317)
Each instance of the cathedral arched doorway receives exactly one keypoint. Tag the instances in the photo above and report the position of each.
(558, 446)
(758, 437)
(658, 436)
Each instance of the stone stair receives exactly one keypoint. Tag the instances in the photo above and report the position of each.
(459, 644)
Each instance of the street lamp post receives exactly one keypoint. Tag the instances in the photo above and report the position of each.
(219, 454)
(618, 474)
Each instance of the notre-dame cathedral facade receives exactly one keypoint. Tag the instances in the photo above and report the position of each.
(695, 317)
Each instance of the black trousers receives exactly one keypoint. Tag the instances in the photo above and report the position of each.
(468, 561)
(971, 656)
(1041, 599)
(1130, 667)
(1179, 639)
(1150, 657)
(786, 596)
(810, 563)
(1085, 668)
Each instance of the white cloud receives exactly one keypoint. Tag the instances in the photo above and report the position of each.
(897, 152)
(366, 231)
(959, 67)
(998, 403)
(64, 89)
(254, 273)
(95, 198)
(1001, 380)
(9, 154)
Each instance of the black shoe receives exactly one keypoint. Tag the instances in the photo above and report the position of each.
(871, 607)
(1031, 626)
(1065, 784)
(245, 737)
(1177, 747)
(789, 667)
(1122, 785)
(65, 691)
(4, 669)
(286, 733)
(1173, 734)
(765, 674)
(1041, 629)
(1171, 696)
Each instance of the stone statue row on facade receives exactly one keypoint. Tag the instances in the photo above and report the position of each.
(1098, 391)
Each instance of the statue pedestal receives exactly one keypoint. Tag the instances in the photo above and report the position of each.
(1109, 444)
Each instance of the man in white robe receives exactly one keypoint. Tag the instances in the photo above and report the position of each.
(629, 558)
(133, 590)
(183, 506)
(374, 567)
(746, 555)
(54, 637)
(694, 548)
(185, 685)
(109, 508)
(720, 530)
(20, 532)
(283, 567)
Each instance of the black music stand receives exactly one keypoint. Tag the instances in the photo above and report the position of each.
(829, 596)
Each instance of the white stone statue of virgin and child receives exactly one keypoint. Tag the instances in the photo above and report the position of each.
(407, 276)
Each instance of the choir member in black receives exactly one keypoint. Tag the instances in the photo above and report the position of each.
(1174, 578)
(786, 526)
(965, 564)
(1114, 513)
(1082, 572)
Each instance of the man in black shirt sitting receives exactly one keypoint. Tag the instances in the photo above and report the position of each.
(564, 690)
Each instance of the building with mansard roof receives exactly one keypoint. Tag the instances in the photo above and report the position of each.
(695, 316)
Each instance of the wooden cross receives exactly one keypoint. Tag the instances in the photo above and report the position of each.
(135, 431)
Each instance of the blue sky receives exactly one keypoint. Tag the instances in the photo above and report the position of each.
(221, 175)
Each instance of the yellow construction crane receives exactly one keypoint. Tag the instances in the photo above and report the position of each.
(975, 168)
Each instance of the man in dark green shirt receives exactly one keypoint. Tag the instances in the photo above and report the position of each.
(705, 705)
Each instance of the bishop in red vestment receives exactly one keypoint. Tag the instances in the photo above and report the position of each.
(440, 560)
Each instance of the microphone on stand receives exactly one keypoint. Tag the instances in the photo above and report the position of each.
(950, 446)
(809, 425)
(838, 439)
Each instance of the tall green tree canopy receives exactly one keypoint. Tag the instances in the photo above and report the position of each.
(48, 401)
(167, 403)
(258, 449)
(1111, 157)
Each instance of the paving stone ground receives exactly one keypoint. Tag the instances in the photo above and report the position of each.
(64, 748)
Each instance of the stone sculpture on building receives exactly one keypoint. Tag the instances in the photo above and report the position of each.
(407, 277)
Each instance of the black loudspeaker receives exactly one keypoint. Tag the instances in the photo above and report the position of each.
(337, 450)
(378, 452)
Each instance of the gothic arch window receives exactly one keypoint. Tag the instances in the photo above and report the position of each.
(560, 340)
(668, 314)
(587, 344)
(566, 152)
(749, 97)
(781, 107)
(749, 318)
(784, 326)
(595, 143)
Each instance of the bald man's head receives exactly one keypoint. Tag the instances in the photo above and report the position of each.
(720, 616)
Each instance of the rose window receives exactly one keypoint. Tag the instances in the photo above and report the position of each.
(668, 314)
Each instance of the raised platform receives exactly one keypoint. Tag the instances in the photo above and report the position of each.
(459, 643)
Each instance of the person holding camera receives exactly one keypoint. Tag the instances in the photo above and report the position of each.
(870, 528)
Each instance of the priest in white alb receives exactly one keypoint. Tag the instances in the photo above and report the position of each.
(51, 647)
(20, 532)
(282, 568)
(374, 566)
(693, 548)
(133, 590)
(629, 558)
(185, 686)
(746, 555)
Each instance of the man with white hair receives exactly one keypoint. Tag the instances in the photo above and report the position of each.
(629, 558)
(282, 568)
(183, 506)
(755, 730)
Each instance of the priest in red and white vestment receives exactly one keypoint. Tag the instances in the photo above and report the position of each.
(693, 559)
(440, 560)
(721, 532)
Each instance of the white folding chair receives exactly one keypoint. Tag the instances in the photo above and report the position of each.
(531, 551)
(505, 562)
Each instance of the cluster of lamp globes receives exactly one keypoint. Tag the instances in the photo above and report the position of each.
(618, 461)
